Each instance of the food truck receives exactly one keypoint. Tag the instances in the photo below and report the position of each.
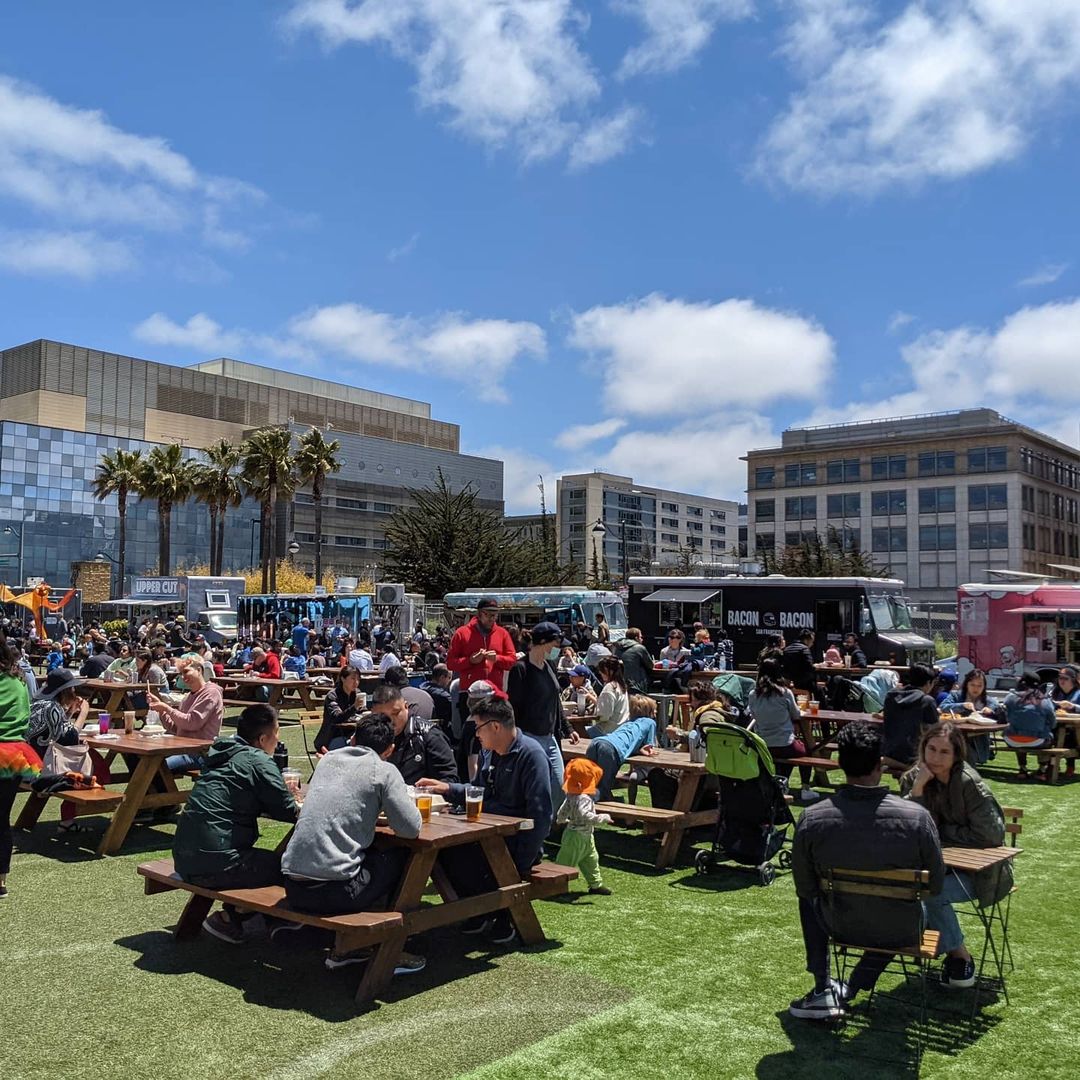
(269, 614)
(208, 601)
(565, 606)
(1007, 630)
(751, 610)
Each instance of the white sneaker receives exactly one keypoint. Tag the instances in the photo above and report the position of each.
(818, 1005)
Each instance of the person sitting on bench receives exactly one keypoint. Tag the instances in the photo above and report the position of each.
(908, 711)
(214, 846)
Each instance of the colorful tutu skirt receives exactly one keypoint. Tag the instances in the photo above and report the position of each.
(19, 761)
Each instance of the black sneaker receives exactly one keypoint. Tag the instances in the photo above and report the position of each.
(3, 892)
(599, 890)
(957, 973)
(477, 924)
(503, 930)
(223, 928)
(818, 1005)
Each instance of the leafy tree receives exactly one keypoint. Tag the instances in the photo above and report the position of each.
(267, 473)
(447, 542)
(314, 460)
(817, 558)
(219, 487)
(119, 474)
(168, 477)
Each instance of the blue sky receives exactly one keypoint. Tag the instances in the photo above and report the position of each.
(640, 235)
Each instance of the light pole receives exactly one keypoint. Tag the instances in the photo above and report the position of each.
(103, 556)
(598, 533)
(17, 531)
(293, 549)
(254, 522)
(622, 548)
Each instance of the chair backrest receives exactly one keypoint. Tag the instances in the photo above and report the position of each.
(875, 908)
(1013, 825)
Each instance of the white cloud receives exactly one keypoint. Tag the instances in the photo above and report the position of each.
(582, 435)
(939, 90)
(606, 139)
(1047, 274)
(83, 255)
(75, 168)
(676, 31)
(670, 357)
(403, 250)
(508, 72)
(521, 477)
(898, 320)
(476, 352)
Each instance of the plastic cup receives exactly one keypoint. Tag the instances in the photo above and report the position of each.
(814, 708)
(423, 804)
(474, 803)
(292, 780)
(129, 721)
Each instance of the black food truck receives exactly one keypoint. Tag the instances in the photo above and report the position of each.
(750, 610)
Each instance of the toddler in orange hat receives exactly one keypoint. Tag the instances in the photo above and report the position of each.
(579, 816)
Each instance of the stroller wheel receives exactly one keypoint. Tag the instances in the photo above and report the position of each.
(704, 862)
(783, 860)
(767, 873)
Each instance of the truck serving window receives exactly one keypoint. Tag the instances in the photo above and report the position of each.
(890, 613)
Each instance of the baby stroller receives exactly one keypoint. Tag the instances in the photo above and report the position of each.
(753, 816)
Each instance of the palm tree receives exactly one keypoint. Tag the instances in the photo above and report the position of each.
(168, 477)
(221, 489)
(119, 474)
(267, 474)
(314, 460)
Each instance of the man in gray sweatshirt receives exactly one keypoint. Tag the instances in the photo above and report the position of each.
(330, 866)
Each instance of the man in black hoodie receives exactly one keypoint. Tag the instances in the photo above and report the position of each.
(908, 710)
(798, 663)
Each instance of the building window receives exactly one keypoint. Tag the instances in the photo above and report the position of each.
(893, 467)
(670, 523)
(937, 500)
(720, 515)
(885, 538)
(846, 538)
(670, 507)
(350, 541)
(937, 537)
(765, 509)
(694, 511)
(695, 526)
(694, 541)
(1027, 533)
(995, 535)
(1027, 498)
(669, 538)
(719, 530)
(937, 463)
(800, 537)
(800, 475)
(351, 504)
(765, 541)
(888, 502)
(800, 507)
(576, 493)
(847, 471)
(848, 505)
(717, 545)
(988, 497)
(764, 476)
(987, 459)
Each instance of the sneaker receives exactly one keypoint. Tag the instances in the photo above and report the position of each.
(844, 992)
(281, 930)
(223, 928)
(808, 795)
(818, 1005)
(340, 960)
(477, 924)
(599, 890)
(957, 973)
(409, 964)
(503, 930)
(3, 892)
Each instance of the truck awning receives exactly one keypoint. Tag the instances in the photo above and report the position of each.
(138, 601)
(1042, 609)
(680, 596)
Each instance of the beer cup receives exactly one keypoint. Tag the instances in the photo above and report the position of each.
(423, 804)
(474, 803)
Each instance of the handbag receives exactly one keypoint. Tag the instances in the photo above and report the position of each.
(61, 759)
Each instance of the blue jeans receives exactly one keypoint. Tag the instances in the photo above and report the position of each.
(940, 916)
(180, 763)
(554, 755)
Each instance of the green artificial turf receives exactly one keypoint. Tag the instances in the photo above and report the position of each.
(673, 976)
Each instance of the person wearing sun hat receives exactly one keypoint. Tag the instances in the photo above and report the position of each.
(579, 815)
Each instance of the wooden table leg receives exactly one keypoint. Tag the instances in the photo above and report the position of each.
(191, 918)
(379, 970)
(684, 803)
(31, 811)
(506, 873)
(134, 793)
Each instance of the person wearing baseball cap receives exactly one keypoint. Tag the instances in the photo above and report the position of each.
(535, 694)
(481, 649)
(580, 690)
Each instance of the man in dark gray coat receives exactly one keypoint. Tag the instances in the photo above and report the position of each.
(860, 827)
(637, 661)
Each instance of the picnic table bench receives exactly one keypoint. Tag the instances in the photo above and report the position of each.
(284, 694)
(670, 823)
(407, 913)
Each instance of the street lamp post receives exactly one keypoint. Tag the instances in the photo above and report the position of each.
(598, 533)
(254, 522)
(103, 556)
(17, 531)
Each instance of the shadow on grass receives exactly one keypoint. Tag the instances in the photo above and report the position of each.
(724, 877)
(878, 1039)
(48, 840)
(293, 977)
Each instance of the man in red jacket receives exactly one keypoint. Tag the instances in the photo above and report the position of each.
(481, 649)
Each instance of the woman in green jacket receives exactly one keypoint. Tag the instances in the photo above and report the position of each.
(966, 815)
(19, 762)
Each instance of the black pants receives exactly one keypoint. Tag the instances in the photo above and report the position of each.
(8, 790)
(609, 759)
(368, 891)
(467, 744)
(255, 869)
(467, 869)
(816, 939)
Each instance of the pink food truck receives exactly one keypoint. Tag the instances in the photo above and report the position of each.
(1009, 629)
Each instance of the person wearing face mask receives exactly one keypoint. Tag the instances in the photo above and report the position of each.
(535, 694)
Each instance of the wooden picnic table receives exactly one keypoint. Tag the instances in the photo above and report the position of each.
(278, 699)
(151, 752)
(111, 697)
(673, 823)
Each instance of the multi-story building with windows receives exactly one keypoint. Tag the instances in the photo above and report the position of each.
(642, 524)
(63, 406)
(936, 500)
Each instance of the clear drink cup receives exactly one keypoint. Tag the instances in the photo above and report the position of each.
(474, 803)
(423, 804)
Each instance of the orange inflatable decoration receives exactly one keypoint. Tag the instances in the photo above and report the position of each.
(37, 601)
